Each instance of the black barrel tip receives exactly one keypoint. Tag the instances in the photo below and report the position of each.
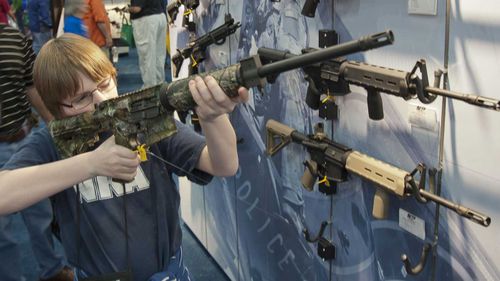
(382, 38)
(390, 36)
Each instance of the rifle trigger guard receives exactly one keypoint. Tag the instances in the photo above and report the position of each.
(421, 264)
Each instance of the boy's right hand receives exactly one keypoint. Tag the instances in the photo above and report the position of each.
(113, 160)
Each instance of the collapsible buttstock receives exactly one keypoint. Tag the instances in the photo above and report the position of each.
(277, 131)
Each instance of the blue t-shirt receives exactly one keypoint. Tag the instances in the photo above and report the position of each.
(154, 235)
(75, 25)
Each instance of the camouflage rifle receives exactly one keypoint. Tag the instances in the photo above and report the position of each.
(332, 77)
(195, 51)
(189, 6)
(146, 116)
(330, 162)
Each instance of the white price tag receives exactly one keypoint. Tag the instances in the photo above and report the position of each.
(423, 117)
(412, 224)
(422, 7)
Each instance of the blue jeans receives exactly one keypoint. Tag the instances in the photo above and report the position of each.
(175, 271)
(39, 39)
(37, 219)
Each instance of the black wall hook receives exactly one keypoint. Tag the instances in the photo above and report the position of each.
(320, 233)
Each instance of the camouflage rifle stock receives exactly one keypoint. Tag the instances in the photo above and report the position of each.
(146, 116)
(334, 76)
(331, 162)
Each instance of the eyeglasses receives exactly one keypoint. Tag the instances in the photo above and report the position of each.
(88, 97)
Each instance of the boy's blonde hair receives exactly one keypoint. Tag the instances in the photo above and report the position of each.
(57, 67)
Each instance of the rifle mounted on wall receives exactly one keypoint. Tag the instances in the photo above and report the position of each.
(333, 77)
(331, 162)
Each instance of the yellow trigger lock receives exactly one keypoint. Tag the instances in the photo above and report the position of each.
(327, 98)
(194, 61)
(325, 180)
(141, 150)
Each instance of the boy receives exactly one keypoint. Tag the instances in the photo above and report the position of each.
(102, 230)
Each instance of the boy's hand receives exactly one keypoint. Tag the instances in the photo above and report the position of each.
(211, 100)
(113, 160)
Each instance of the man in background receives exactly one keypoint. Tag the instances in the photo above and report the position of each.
(98, 26)
(5, 11)
(149, 23)
(40, 22)
(17, 94)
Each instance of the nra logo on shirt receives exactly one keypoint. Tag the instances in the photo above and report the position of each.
(102, 188)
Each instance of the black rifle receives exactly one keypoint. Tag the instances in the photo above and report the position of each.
(333, 77)
(195, 51)
(189, 5)
(330, 162)
(144, 117)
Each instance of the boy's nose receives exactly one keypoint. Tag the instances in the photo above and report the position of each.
(98, 97)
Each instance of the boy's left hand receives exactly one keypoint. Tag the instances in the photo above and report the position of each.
(211, 100)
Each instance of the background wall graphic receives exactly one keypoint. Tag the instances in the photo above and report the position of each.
(252, 223)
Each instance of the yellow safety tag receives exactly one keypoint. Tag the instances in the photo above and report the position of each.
(326, 181)
(194, 62)
(141, 150)
(328, 98)
(187, 12)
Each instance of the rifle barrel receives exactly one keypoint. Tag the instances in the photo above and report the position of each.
(480, 101)
(465, 212)
(362, 44)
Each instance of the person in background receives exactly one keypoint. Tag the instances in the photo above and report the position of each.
(17, 93)
(40, 22)
(18, 7)
(149, 23)
(74, 12)
(5, 11)
(97, 21)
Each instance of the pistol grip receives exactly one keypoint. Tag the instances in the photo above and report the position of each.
(380, 204)
(375, 106)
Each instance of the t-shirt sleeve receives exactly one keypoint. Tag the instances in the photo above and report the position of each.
(38, 149)
(98, 11)
(137, 3)
(183, 149)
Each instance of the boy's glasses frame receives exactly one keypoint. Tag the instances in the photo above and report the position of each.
(88, 97)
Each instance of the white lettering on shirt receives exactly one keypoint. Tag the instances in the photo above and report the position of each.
(103, 188)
